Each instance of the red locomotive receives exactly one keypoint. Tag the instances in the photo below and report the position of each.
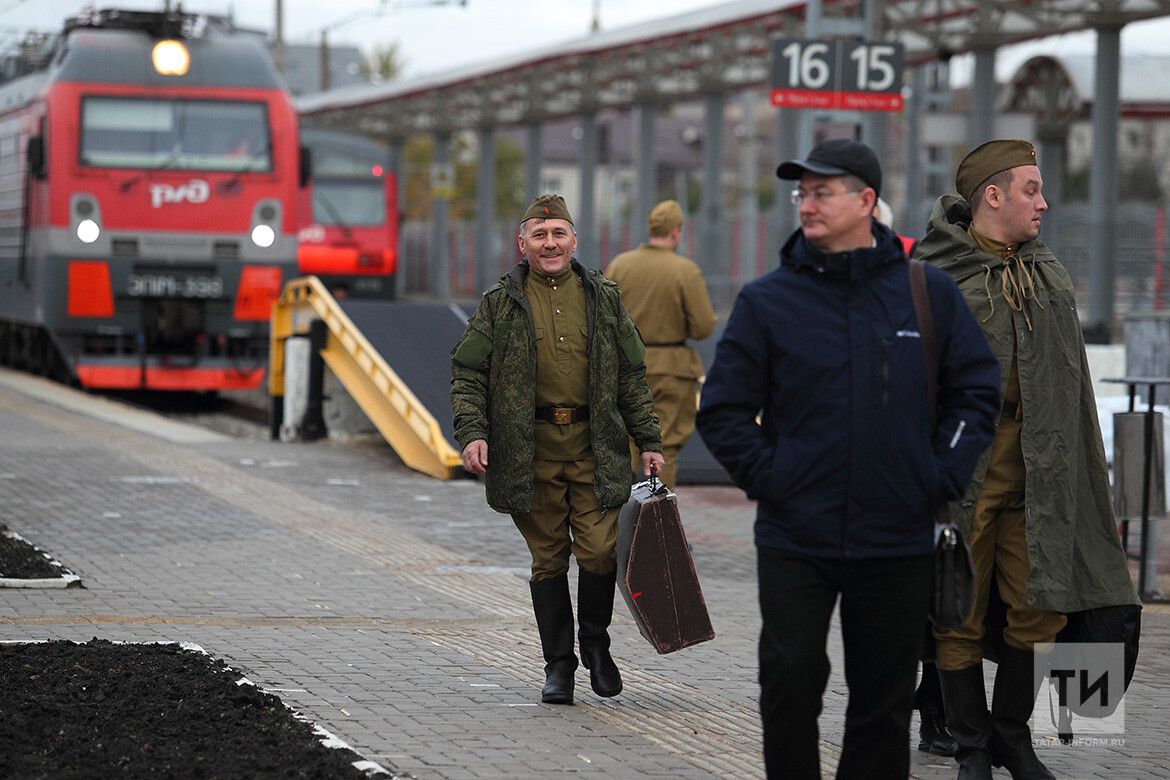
(349, 216)
(150, 170)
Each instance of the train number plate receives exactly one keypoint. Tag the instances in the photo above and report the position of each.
(174, 286)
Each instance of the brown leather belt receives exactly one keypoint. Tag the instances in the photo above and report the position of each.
(562, 415)
(667, 344)
(1009, 410)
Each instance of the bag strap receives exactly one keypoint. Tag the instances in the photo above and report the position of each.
(929, 354)
(926, 330)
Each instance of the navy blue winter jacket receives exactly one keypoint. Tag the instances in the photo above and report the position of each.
(826, 350)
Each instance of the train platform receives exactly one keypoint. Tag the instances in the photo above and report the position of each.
(393, 609)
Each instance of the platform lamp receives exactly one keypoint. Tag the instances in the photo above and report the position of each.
(384, 7)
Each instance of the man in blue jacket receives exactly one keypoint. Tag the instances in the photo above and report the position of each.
(816, 405)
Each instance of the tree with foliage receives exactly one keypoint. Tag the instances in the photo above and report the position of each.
(509, 184)
(384, 63)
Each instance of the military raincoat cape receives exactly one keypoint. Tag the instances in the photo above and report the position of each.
(493, 390)
(1076, 558)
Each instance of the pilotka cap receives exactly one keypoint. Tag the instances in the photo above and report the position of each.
(663, 218)
(984, 161)
(838, 157)
(547, 207)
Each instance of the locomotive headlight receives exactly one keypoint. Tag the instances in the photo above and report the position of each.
(170, 58)
(88, 231)
(262, 236)
(266, 220)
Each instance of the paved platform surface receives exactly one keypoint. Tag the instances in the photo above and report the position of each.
(393, 609)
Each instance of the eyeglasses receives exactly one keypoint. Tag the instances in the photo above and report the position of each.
(820, 196)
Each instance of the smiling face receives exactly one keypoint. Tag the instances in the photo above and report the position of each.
(548, 244)
(834, 216)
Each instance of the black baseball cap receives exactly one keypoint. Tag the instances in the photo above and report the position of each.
(838, 157)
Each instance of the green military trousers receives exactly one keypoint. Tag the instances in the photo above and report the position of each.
(999, 543)
(567, 518)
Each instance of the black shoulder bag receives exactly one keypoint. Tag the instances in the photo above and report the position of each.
(954, 572)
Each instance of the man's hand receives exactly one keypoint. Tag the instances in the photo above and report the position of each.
(475, 457)
(652, 462)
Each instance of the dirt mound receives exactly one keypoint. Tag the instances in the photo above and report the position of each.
(20, 560)
(102, 709)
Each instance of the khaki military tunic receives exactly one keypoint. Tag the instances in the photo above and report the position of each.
(562, 361)
(998, 536)
(566, 517)
(667, 299)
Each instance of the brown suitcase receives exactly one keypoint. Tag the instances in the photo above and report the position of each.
(656, 574)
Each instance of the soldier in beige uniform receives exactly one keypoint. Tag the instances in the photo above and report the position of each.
(665, 294)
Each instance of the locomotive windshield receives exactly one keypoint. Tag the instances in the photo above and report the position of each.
(350, 202)
(153, 133)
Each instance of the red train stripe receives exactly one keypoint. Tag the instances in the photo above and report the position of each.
(163, 378)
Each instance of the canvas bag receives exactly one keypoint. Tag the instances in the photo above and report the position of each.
(954, 572)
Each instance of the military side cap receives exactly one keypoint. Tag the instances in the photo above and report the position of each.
(547, 207)
(984, 161)
(664, 217)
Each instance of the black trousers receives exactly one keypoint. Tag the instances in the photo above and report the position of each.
(883, 608)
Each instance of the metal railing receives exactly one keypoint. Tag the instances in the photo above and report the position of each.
(398, 415)
(1142, 279)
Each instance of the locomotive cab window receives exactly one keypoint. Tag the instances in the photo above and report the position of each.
(349, 188)
(352, 202)
(175, 134)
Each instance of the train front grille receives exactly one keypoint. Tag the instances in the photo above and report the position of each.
(172, 327)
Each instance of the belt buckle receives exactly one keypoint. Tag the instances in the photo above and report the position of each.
(562, 415)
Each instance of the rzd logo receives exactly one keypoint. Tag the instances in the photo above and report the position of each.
(194, 191)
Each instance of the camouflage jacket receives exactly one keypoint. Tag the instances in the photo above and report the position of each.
(493, 389)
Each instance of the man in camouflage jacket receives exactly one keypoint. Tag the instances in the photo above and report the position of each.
(551, 373)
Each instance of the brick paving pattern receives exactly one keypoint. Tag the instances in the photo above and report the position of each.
(393, 609)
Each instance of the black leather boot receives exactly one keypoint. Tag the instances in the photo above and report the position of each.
(933, 735)
(554, 618)
(594, 611)
(1011, 709)
(965, 704)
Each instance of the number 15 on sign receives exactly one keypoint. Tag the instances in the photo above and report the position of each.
(837, 74)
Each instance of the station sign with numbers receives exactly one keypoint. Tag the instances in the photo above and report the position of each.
(837, 74)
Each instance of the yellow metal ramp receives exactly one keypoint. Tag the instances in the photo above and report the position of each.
(405, 422)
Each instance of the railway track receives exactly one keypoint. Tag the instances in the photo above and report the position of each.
(239, 414)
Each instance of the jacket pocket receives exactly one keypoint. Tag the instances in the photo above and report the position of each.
(633, 350)
(772, 486)
(473, 349)
(899, 368)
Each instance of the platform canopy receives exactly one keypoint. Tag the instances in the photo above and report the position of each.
(718, 49)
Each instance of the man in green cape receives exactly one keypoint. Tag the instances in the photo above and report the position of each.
(1037, 514)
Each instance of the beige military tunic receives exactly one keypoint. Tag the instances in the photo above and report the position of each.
(565, 514)
(562, 361)
(667, 299)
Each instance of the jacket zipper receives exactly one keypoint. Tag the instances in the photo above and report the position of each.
(885, 372)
